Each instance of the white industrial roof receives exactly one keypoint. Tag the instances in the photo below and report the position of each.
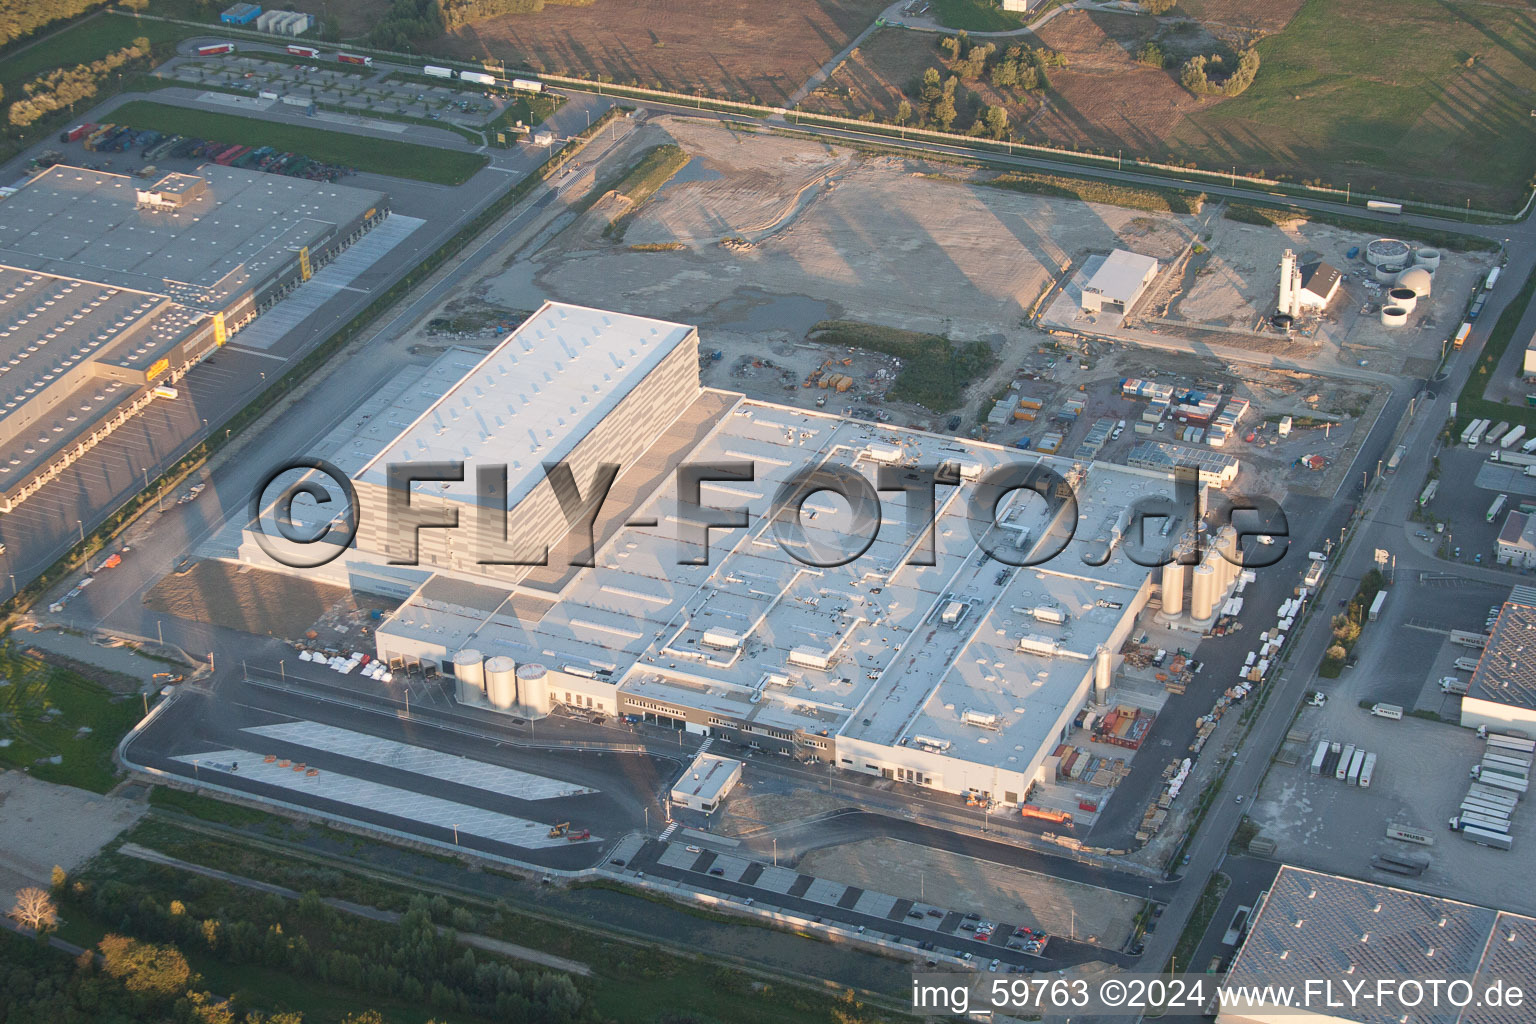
(1121, 275)
(534, 396)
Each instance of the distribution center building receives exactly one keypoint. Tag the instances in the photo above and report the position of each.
(956, 671)
(1118, 282)
(1502, 693)
(110, 288)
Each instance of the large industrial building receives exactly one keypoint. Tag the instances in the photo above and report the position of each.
(1502, 693)
(111, 288)
(955, 671)
(1315, 927)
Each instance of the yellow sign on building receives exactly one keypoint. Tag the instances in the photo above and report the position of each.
(156, 368)
(304, 271)
(220, 335)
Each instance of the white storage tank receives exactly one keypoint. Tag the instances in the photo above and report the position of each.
(1387, 250)
(1387, 273)
(469, 676)
(1393, 316)
(533, 687)
(501, 682)
(1407, 298)
(1173, 588)
(1202, 598)
(1427, 258)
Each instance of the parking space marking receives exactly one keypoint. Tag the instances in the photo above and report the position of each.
(875, 904)
(776, 879)
(419, 760)
(374, 796)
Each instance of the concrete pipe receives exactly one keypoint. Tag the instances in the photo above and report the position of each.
(469, 676)
(501, 682)
(1406, 298)
(1173, 588)
(1429, 259)
(1393, 316)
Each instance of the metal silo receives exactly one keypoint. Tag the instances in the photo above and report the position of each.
(501, 682)
(469, 676)
(1173, 588)
(533, 687)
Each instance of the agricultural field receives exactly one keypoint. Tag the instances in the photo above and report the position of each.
(1383, 96)
(362, 152)
(732, 48)
(48, 712)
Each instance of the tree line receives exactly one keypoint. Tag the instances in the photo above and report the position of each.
(143, 971)
(21, 18)
(64, 87)
(1196, 74)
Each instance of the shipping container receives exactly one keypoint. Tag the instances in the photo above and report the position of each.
(1496, 431)
(1496, 507)
(303, 51)
(215, 50)
(1355, 764)
(1367, 771)
(477, 77)
(1483, 837)
(1376, 603)
(1493, 279)
(433, 71)
(1408, 834)
(1382, 206)
(1342, 771)
(1500, 741)
(527, 85)
(1462, 334)
(1319, 756)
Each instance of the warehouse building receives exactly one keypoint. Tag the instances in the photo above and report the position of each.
(706, 783)
(1315, 927)
(1215, 469)
(1118, 282)
(110, 289)
(958, 672)
(240, 14)
(1517, 540)
(1502, 693)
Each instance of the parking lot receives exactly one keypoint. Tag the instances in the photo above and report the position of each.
(1421, 774)
(361, 90)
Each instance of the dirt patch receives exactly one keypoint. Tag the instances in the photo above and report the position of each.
(117, 682)
(256, 601)
(1242, 15)
(735, 48)
(1003, 894)
(753, 812)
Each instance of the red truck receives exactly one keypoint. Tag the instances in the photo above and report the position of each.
(303, 51)
(215, 50)
(77, 133)
(352, 58)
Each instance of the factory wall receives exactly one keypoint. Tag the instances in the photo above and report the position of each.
(538, 520)
(1497, 717)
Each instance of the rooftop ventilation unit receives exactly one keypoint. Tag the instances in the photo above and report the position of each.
(1046, 613)
(984, 719)
(1036, 644)
(722, 639)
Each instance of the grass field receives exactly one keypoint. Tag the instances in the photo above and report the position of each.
(974, 15)
(738, 49)
(42, 710)
(934, 370)
(1420, 98)
(81, 43)
(365, 153)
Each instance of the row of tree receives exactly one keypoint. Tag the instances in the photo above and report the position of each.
(415, 961)
(21, 18)
(62, 88)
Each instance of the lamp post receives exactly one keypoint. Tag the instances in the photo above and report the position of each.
(455, 833)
